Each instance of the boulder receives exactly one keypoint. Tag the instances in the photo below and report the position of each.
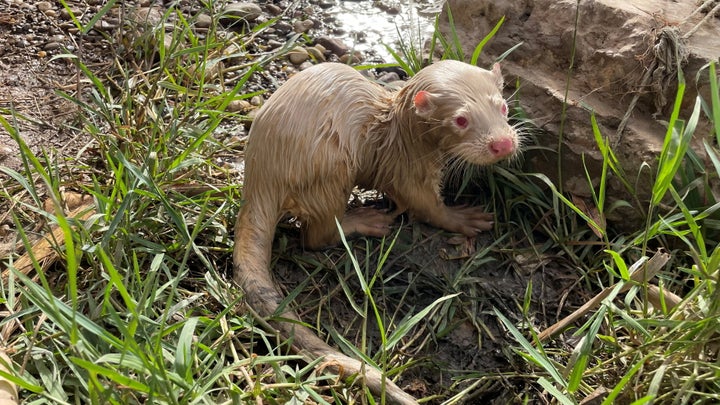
(621, 61)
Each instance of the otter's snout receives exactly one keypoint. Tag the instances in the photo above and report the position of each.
(503, 147)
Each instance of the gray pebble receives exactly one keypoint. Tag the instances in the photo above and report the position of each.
(334, 45)
(51, 46)
(203, 21)
(305, 65)
(65, 13)
(245, 11)
(273, 9)
(238, 105)
(272, 44)
(298, 55)
(389, 77)
(283, 27)
(43, 6)
(350, 58)
(303, 26)
(316, 53)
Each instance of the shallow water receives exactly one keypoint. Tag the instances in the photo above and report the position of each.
(368, 28)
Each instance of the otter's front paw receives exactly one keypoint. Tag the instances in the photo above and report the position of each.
(468, 221)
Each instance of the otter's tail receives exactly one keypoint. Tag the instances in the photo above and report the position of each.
(251, 265)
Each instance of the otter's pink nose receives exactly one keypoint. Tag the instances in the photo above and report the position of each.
(503, 147)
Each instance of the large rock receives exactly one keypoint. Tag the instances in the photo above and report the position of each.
(615, 59)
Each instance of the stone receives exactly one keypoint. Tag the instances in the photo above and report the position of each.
(245, 11)
(273, 9)
(298, 55)
(389, 77)
(44, 6)
(147, 17)
(302, 26)
(334, 45)
(65, 13)
(283, 27)
(203, 21)
(354, 57)
(316, 53)
(54, 43)
(239, 106)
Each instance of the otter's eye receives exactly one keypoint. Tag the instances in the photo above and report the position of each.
(504, 109)
(461, 122)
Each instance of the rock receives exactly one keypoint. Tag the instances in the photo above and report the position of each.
(239, 106)
(326, 3)
(203, 21)
(354, 57)
(283, 27)
(65, 13)
(316, 53)
(389, 77)
(298, 55)
(146, 17)
(44, 6)
(334, 45)
(305, 65)
(302, 26)
(273, 44)
(608, 72)
(273, 9)
(245, 11)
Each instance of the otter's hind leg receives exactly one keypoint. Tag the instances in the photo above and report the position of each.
(320, 228)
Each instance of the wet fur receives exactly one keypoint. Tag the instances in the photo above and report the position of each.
(329, 129)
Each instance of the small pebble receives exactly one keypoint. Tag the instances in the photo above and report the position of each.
(273, 9)
(316, 53)
(65, 13)
(43, 6)
(283, 27)
(302, 26)
(350, 58)
(203, 21)
(334, 45)
(272, 44)
(305, 65)
(245, 11)
(298, 55)
(51, 46)
(239, 106)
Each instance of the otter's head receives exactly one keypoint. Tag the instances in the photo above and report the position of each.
(465, 110)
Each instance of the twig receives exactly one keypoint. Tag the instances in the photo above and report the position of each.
(640, 276)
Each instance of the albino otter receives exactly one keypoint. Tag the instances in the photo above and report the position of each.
(329, 129)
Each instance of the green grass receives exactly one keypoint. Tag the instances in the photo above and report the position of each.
(138, 308)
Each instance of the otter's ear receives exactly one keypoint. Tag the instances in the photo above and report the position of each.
(497, 75)
(423, 102)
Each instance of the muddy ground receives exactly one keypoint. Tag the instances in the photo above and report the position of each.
(32, 78)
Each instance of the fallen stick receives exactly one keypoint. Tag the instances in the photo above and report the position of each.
(640, 276)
